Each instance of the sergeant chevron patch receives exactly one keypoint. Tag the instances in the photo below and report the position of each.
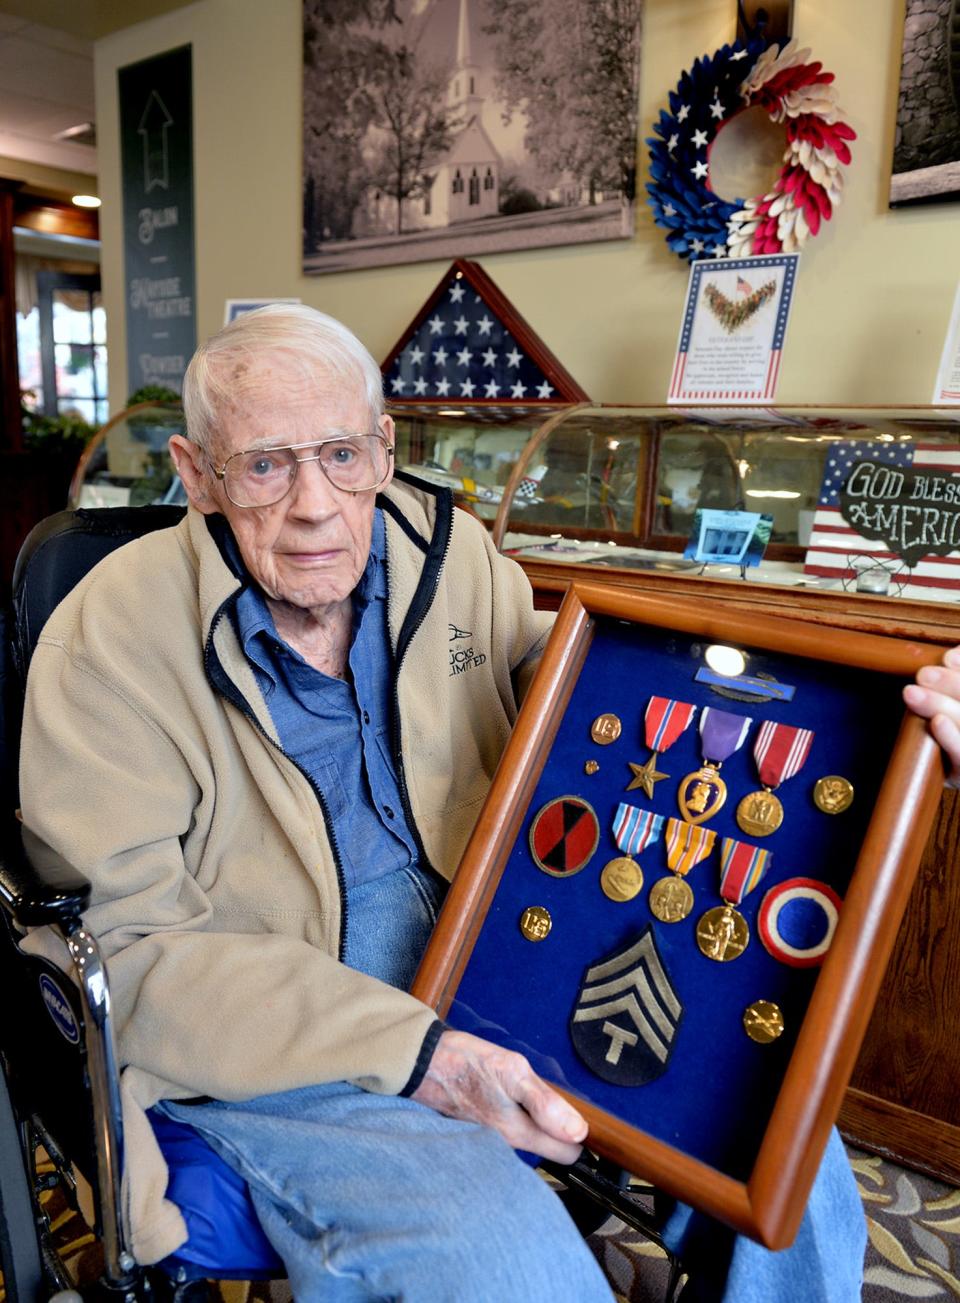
(625, 1021)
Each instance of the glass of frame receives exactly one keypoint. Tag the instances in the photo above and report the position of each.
(731, 1123)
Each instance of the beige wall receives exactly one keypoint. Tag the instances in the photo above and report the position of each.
(873, 295)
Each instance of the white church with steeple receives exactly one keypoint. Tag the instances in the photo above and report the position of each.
(465, 181)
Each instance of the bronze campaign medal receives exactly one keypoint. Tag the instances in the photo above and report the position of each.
(671, 900)
(780, 751)
(722, 934)
(621, 879)
(833, 794)
(760, 813)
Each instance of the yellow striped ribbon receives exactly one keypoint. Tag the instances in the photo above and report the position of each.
(687, 845)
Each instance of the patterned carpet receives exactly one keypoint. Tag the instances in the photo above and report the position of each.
(913, 1224)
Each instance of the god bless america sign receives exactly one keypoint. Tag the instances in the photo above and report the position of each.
(891, 505)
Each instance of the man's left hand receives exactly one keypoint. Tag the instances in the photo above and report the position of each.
(936, 696)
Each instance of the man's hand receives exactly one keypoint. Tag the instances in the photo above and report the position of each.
(477, 1081)
(936, 696)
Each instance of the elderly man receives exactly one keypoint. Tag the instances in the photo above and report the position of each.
(244, 732)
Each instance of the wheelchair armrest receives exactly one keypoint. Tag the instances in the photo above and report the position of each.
(33, 897)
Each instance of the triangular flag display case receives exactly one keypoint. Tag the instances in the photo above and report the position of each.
(468, 347)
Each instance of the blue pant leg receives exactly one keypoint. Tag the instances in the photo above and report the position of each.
(373, 1197)
(823, 1265)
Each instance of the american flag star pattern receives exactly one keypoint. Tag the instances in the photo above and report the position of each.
(460, 350)
(837, 551)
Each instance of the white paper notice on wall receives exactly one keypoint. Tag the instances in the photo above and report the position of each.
(734, 322)
(946, 392)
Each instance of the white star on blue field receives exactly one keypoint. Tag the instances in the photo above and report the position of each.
(843, 455)
(459, 348)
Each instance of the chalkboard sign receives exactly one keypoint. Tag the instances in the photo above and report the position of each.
(888, 518)
(156, 144)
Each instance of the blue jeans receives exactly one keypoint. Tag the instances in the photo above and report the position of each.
(369, 1197)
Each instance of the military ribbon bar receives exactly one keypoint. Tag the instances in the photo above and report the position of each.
(634, 830)
(741, 869)
(687, 845)
(780, 751)
(722, 733)
(664, 720)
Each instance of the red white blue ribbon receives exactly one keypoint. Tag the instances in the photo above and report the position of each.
(741, 868)
(664, 720)
(634, 829)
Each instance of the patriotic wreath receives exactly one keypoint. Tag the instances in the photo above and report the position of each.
(794, 92)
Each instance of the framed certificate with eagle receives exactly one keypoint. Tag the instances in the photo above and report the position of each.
(684, 885)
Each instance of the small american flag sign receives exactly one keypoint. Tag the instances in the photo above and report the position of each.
(915, 533)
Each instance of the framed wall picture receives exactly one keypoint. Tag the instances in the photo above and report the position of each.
(685, 884)
(926, 155)
(442, 130)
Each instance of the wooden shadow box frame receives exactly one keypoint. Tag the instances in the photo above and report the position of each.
(765, 1200)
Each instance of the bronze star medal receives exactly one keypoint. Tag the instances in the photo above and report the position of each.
(645, 775)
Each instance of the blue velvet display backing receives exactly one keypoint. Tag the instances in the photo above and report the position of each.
(715, 1098)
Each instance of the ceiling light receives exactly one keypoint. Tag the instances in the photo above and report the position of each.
(86, 201)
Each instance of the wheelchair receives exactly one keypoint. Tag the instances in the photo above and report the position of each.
(59, 1090)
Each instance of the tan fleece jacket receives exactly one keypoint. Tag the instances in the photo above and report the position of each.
(150, 762)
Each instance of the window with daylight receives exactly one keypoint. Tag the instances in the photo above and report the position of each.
(488, 181)
(474, 187)
(457, 183)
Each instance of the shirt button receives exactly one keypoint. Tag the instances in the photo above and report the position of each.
(366, 717)
(388, 812)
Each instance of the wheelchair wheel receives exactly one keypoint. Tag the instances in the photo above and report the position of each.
(20, 1258)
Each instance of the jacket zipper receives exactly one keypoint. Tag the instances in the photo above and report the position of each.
(238, 700)
(406, 636)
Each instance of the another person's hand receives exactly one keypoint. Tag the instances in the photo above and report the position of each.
(936, 696)
(476, 1081)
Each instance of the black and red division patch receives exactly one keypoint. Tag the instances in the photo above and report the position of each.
(563, 836)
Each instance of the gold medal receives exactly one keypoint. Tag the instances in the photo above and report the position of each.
(671, 900)
(833, 794)
(535, 923)
(722, 934)
(702, 794)
(591, 767)
(645, 775)
(760, 813)
(763, 1022)
(621, 878)
(605, 729)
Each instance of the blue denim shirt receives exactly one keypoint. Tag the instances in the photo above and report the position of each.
(338, 732)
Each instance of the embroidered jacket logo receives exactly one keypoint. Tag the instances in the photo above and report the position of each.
(462, 658)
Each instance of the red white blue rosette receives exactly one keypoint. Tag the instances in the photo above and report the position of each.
(795, 92)
(797, 920)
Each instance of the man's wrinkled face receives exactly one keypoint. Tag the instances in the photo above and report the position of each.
(310, 549)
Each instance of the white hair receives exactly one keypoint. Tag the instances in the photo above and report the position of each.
(235, 361)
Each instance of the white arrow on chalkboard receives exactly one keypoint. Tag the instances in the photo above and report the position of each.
(154, 122)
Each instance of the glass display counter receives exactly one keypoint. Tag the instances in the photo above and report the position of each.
(620, 489)
(127, 463)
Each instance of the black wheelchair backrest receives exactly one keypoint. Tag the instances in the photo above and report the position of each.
(59, 551)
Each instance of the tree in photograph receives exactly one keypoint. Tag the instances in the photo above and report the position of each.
(340, 44)
(572, 66)
(415, 126)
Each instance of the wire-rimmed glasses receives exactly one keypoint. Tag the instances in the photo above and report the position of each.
(261, 477)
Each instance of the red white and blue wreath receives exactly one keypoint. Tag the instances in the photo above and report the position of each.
(794, 92)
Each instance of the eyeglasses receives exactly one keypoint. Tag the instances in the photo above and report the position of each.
(261, 477)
